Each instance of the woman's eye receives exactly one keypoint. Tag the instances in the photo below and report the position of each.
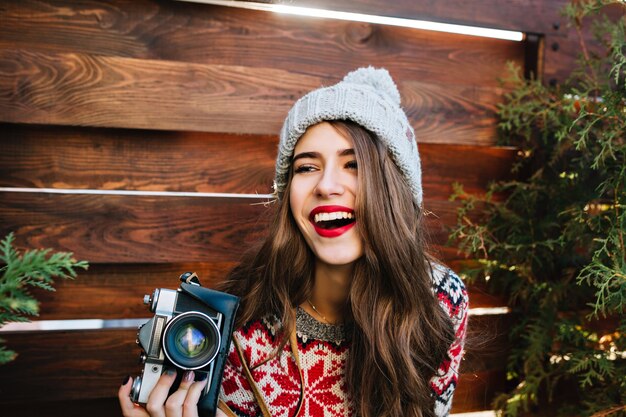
(303, 168)
(352, 165)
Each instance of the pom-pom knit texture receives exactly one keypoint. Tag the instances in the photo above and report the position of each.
(367, 96)
(323, 351)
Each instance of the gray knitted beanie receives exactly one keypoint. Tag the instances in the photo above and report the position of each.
(367, 96)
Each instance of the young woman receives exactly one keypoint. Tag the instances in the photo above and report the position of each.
(343, 312)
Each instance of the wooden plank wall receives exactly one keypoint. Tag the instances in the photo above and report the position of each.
(167, 96)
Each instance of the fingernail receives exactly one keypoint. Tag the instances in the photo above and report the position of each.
(188, 376)
(170, 371)
(126, 379)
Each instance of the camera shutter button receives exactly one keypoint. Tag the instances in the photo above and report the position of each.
(147, 299)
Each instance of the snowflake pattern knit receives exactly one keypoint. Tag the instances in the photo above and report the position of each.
(323, 350)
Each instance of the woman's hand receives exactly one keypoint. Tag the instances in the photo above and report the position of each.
(182, 403)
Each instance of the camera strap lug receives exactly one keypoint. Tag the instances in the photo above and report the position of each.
(190, 278)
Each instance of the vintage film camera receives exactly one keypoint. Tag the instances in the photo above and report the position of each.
(191, 330)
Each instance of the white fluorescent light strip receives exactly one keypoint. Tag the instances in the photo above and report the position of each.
(93, 324)
(84, 324)
(488, 311)
(131, 192)
(368, 18)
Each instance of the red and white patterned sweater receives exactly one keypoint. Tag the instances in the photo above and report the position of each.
(323, 350)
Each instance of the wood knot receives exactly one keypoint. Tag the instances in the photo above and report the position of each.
(360, 32)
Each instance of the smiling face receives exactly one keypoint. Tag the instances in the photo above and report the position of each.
(322, 195)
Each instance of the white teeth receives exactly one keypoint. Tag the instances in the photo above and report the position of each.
(324, 217)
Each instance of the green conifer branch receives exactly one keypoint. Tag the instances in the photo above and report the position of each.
(22, 272)
(554, 243)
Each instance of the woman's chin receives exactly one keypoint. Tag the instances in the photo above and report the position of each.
(338, 260)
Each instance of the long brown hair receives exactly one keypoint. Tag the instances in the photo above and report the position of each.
(400, 333)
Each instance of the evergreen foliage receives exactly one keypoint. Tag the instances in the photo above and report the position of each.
(20, 273)
(552, 240)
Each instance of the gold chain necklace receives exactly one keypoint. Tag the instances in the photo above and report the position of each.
(317, 311)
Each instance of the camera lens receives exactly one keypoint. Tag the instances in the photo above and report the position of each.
(191, 340)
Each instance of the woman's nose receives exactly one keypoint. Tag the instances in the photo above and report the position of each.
(329, 184)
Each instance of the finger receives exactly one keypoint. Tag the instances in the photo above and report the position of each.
(158, 396)
(190, 405)
(129, 409)
(174, 404)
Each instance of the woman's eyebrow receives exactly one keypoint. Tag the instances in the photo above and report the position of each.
(313, 155)
(301, 155)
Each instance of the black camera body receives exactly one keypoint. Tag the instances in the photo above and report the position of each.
(191, 330)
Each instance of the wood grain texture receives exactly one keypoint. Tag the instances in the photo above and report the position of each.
(91, 90)
(116, 291)
(145, 160)
(94, 90)
(206, 34)
(474, 167)
(79, 365)
(121, 159)
(130, 229)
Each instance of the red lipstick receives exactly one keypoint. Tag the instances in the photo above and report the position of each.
(333, 232)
